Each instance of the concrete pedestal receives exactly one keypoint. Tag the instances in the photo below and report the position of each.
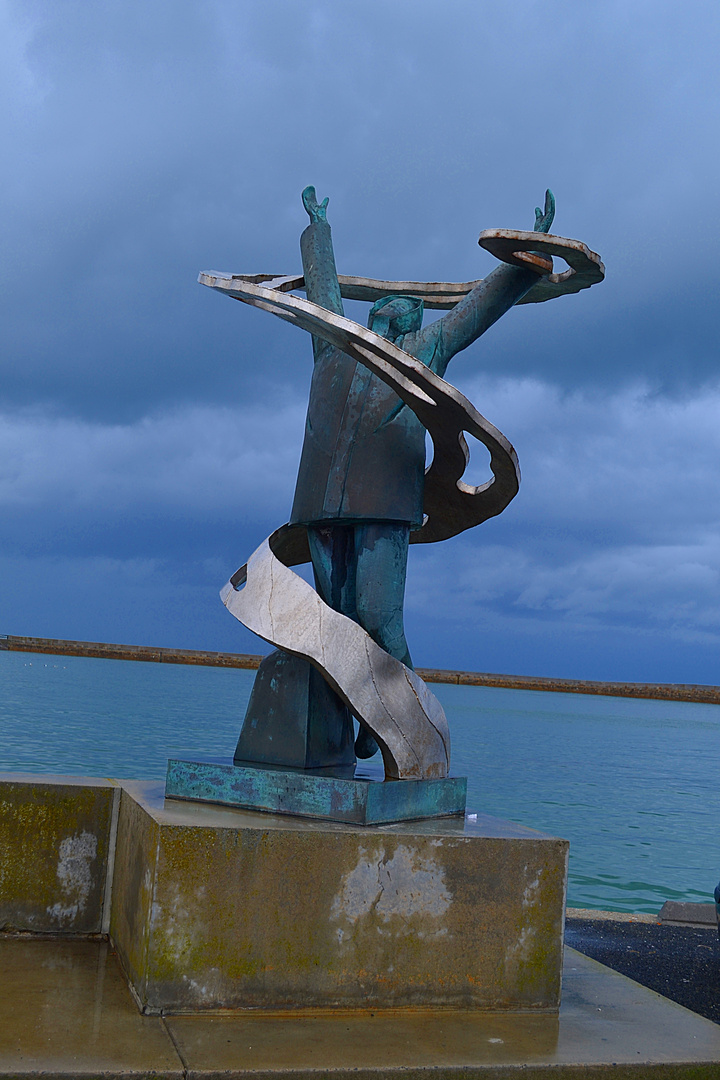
(218, 908)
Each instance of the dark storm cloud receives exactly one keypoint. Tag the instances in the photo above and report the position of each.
(608, 553)
(607, 564)
(148, 142)
(150, 429)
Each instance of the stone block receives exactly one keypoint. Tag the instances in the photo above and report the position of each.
(684, 913)
(55, 842)
(222, 908)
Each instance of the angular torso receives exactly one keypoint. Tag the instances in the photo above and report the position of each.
(363, 455)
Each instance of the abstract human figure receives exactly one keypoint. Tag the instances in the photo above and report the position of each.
(359, 492)
(362, 495)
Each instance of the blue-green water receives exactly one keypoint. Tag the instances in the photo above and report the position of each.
(631, 783)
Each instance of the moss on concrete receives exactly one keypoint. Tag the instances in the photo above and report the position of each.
(54, 839)
(286, 917)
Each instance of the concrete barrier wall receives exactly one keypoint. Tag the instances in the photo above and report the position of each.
(106, 651)
(709, 695)
(56, 853)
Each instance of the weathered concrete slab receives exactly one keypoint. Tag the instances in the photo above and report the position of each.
(133, 886)
(608, 1026)
(65, 1011)
(55, 838)
(215, 907)
(306, 794)
(611, 916)
(683, 913)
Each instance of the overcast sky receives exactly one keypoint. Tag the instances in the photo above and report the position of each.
(150, 429)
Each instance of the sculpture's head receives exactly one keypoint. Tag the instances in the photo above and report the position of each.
(394, 316)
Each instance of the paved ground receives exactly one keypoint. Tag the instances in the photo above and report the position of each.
(680, 962)
(66, 1014)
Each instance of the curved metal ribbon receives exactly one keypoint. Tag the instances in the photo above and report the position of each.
(585, 268)
(407, 721)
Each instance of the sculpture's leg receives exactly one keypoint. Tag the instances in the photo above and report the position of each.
(381, 561)
(360, 571)
(332, 550)
(294, 718)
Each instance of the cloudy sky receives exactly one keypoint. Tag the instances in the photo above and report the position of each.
(150, 429)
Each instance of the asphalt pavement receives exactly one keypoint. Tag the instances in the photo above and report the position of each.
(680, 962)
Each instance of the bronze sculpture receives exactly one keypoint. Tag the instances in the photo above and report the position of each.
(362, 497)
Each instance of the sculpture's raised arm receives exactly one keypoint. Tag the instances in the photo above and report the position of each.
(543, 218)
(318, 260)
(488, 301)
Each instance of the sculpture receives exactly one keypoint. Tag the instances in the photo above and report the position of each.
(362, 496)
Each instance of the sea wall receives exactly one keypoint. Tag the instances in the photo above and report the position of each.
(709, 695)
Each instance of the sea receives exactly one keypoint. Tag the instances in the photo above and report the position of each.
(631, 783)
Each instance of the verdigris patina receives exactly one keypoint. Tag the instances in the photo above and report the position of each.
(362, 496)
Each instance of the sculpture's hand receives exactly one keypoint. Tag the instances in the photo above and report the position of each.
(543, 220)
(316, 210)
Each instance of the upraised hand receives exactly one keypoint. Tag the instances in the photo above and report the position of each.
(316, 210)
(543, 220)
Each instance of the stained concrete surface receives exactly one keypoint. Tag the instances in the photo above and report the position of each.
(684, 913)
(451, 913)
(65, 1011)
(216, 908)
(55, 840)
